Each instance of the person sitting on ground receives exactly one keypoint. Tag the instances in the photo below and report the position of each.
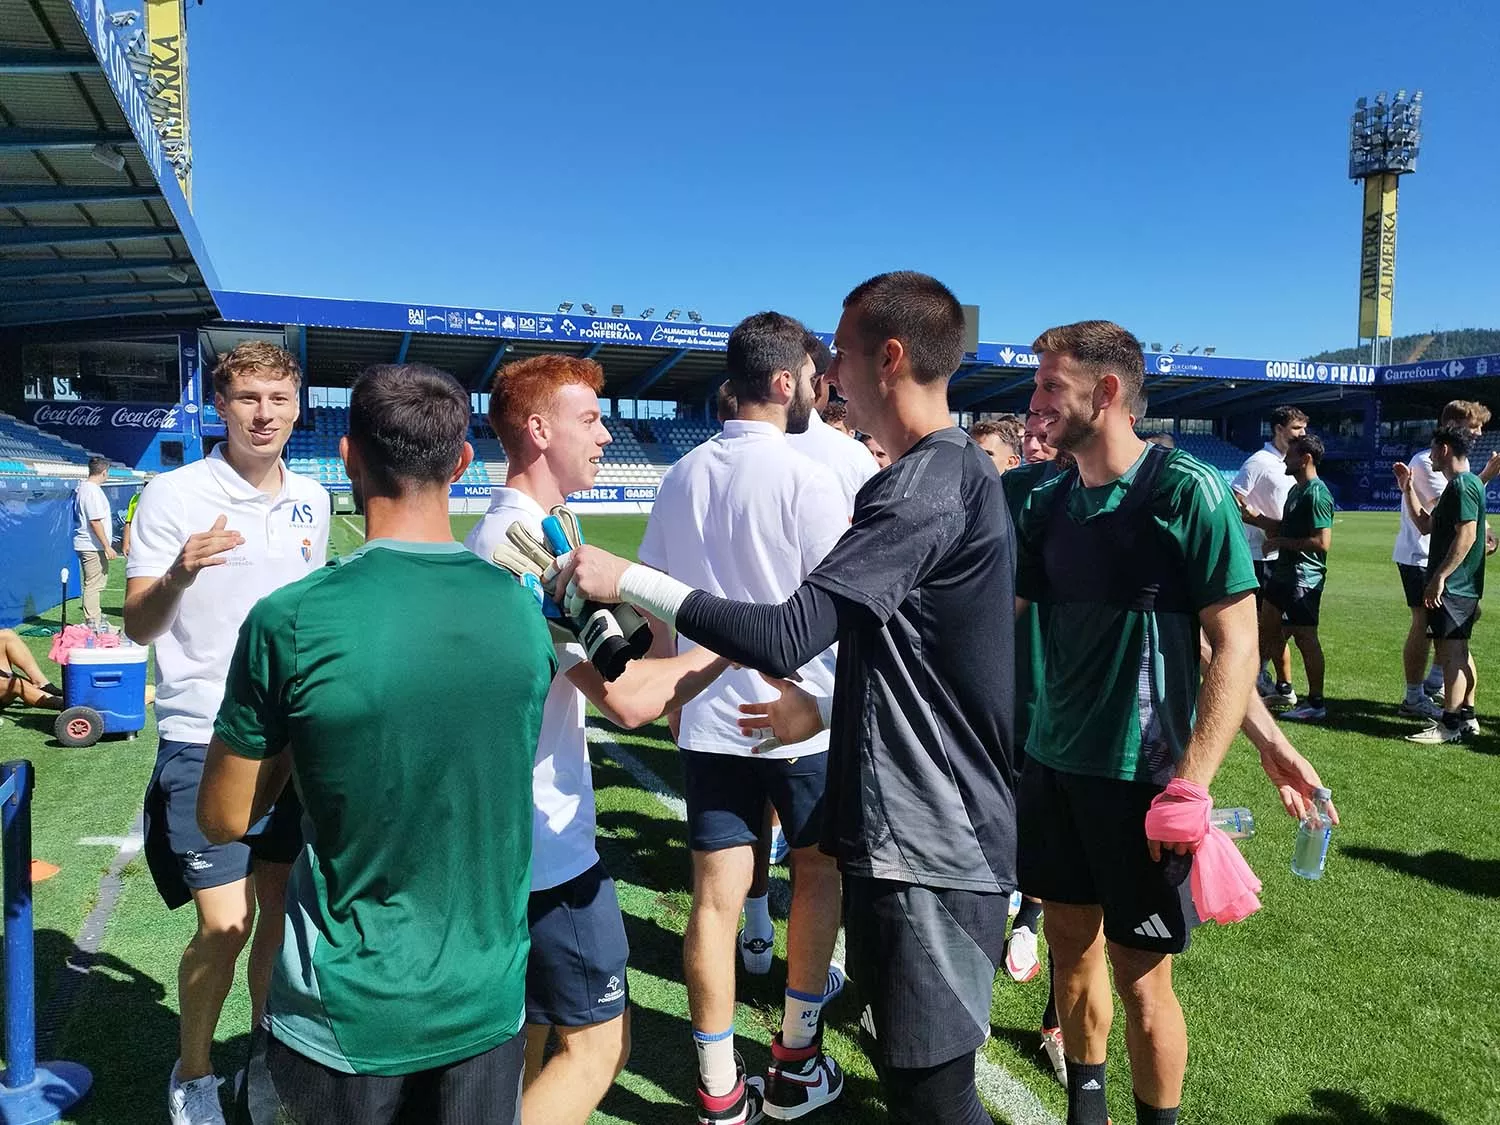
(21, 678)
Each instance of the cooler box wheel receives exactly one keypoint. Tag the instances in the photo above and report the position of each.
(79, 726)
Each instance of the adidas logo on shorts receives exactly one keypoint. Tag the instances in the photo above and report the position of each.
(1154, 927)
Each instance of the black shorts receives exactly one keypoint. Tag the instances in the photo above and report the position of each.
(1454, 619)
(291, 1089)
(1083, 843)
(1299, 605)
(924, 962)
(726, 798)
(1413, 584)
(575, 975)
(180, 857)
(1262, 577)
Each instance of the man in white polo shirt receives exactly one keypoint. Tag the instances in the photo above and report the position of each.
(748, 517)
(545, 411)
(209, 540)
(1260, 488)
(93, 539)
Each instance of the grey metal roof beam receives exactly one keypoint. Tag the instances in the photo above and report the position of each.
(24, 140)
(22, 60)
(44, 195)
(47, 236)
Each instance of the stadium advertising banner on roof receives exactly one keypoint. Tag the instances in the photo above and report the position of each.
(599, 494)
(168, 39)
(1440, 370)
(1208, 367)
(269, 308)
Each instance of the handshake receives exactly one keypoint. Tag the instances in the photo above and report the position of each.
(612, 635)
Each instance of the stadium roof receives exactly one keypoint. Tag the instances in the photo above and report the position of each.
(93, 225)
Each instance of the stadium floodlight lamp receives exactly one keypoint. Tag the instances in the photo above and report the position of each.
(616, 310)
(178, 274)
(109, 156)
(564, 306)
(1386, 137)
(122, 19)
(1156, 347)
(1176, 348)
(673, 314)
(695, 316)
(1209, 351)
(646, 312)
(1193, 350)
(588, 308)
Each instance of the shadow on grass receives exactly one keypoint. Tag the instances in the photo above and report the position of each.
(120, 1027)
(1445, 868)
(1365, 716)
(1336, 1107)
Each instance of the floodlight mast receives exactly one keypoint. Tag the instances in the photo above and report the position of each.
(1384, 141)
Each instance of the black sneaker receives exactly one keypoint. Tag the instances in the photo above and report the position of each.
(800, 1079)
(741, 1106)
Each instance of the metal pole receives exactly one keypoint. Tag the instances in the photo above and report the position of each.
(20, 965)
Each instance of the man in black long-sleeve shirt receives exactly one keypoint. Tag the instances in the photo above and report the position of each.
(919, 808)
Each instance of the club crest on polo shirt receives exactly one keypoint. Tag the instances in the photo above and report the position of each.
(307, 550)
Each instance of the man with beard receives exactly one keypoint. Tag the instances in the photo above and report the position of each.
(918, 593)
(746, 516)
(1137, 555)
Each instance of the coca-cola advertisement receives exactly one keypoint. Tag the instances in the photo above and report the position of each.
(129, 432)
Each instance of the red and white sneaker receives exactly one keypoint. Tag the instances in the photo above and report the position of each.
(741, 1106)
(800, 1079)
(1052, 1043)
(1021, 961)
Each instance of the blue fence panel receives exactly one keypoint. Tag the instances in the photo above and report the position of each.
(36, 542)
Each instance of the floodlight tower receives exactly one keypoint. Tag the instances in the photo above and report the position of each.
(1383, 142)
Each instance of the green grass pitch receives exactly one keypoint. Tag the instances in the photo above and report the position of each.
(1365, 999)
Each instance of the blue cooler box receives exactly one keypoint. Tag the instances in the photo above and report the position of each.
(104, 692)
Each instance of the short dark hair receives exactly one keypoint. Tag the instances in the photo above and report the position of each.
(1454, 437)
(759, 347)
(1007, 427)
(835, 412)
(918, 310)
(819, 353)
(1286, 415)
(98, 464)
(726, 406)
(1101, 347)
(1309, 444)
(409, 423)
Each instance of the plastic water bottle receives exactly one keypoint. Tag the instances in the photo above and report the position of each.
(1313, 834)
(1237, 823)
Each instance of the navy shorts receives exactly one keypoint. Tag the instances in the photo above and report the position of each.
(1083, 843)
(180, 857)
(924, 960)
(1413, 584)
(727, 794)
(1454, 619)
(575, 975)
(1299, 605)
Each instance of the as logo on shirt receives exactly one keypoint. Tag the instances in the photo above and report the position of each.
(302, 513)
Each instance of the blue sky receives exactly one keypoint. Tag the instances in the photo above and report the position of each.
(1180, 168)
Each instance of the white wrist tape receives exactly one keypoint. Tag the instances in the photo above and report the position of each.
(658, 594)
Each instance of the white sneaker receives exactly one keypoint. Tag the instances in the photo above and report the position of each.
(1437, 733)
(1020, 954)
(756, 953)
(195, 1102)
(1423, 708)
(1052, 1043)
(1281, 701)
(1471, 727)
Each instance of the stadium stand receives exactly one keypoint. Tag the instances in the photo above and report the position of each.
(678, 435)
(28, 451)
(1213, 451)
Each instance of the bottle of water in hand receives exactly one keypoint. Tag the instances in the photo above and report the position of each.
(1313, 834)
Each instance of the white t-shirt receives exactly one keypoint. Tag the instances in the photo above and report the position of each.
(562, 781)
(1264, 483)
(286, 537)
(89, 503)
(1411, 545)
(747, 517)
(851, 461)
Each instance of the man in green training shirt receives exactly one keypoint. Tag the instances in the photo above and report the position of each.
(1295, 583)
(1136, 553)
(401, 982)
(1455, 578)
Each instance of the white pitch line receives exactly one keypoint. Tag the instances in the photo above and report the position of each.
(133, 843)
(1001, 1090)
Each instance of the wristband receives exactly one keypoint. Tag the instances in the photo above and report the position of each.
(658, 594)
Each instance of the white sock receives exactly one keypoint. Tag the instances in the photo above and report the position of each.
(799, 1019)
(758, 918)
(716, 1070)
(1414, 693)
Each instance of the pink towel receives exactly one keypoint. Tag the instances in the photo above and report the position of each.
(1224, 886)
(77, 636)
